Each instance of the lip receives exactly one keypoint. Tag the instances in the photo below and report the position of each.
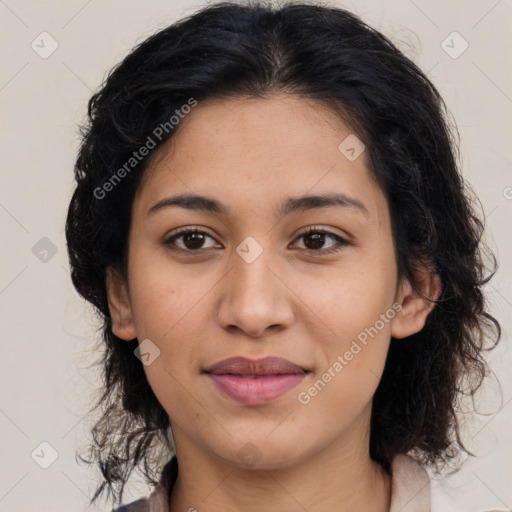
(245, 366)
(253, 382)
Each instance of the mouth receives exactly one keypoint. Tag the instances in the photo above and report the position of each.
(254, 382)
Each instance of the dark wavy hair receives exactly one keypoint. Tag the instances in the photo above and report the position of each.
(315, 52)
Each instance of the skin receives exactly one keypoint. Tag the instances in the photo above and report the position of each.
(301, 305)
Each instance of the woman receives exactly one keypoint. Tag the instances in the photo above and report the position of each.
(270, 220)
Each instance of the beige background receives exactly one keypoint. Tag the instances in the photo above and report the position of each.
(47, 330)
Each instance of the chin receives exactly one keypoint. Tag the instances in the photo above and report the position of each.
(263, 455)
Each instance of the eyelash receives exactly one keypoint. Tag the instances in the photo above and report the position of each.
(169, 241)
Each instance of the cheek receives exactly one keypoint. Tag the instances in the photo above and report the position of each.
(166, 296)
(355, 360)
(168, 310)
(181, 398)
(351, 300)
(356, 304)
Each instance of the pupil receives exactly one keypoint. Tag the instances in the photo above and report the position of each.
(318, 240)
(196, 238)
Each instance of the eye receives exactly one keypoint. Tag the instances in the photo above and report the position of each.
(192, 240)
(316, 238)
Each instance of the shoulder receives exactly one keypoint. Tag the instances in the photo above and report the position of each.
(410, 486)
(417, 489)
(141, 505)
(158, 500)
(450, 494)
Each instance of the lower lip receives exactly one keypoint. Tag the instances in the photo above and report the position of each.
(255, 390)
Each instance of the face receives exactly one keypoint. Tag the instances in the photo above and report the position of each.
(239, 275)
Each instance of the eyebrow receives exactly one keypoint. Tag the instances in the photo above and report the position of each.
(288, 206)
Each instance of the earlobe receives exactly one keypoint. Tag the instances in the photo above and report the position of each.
(415, 307)
(119, 306)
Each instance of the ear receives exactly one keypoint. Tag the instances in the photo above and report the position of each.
(415, 308)
(119, 306)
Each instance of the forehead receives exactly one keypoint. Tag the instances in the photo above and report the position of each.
(256, 151)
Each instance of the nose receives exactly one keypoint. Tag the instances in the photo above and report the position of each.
(255, 296)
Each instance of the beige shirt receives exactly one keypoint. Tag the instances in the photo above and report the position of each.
(410, 490)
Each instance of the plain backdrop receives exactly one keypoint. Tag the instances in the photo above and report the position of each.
(47, 330)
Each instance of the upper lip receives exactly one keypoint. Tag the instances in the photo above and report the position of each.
(245, 366)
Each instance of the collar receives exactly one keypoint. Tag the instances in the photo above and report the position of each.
(410, 488)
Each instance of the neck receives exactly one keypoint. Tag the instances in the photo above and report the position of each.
(341, 477)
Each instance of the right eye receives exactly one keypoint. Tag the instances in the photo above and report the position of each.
(191, 240)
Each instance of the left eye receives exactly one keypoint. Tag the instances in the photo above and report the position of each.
(316, 238)
(192, 240)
